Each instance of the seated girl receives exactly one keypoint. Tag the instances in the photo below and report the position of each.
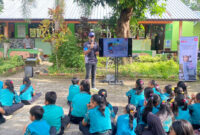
(26, 91)
(180, 108)
(79, 103)
(114, 109)
(126, 123)
(168, 93)
(166, 116)
(97, 120)
(183, 86)
(7, 97)
(136, 94)
(155, 87)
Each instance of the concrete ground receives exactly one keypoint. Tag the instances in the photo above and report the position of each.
(116, 96)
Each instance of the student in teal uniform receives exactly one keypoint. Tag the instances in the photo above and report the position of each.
(166, 116)
(113, 110)
(195, 112)
(136, 94)
(6, 98)
(168, 93)
(97, 118)
(1, 85)
(127, 123)
(38, 125)
(79, 103)
(180, 108)
(53, 114)
(74, 89)
(26, 91)
(155, 87)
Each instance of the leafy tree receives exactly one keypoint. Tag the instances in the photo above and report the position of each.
(193, 6)
(126, 10)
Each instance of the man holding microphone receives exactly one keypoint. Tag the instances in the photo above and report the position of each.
(91, 50)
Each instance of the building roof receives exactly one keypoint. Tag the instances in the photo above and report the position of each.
(198, 13)
(175, 11)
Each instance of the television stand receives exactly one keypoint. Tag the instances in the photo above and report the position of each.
(116, 81)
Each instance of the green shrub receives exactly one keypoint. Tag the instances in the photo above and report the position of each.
(148, 58)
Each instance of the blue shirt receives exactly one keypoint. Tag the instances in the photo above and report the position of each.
(79, 104)
(111, 110)
(195, 116)
(27, 95)
(1, 85)
(91, 56)
(6, 97)
(73, 90)
(98, 122)
(135, 98)
(38, 127)
(53, 115)
(164, 97)
(183, 114)
(123, 127)
(167, 124)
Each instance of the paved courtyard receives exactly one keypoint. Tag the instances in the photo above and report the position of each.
(116, 95)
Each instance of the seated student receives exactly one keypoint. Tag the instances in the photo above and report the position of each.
(168, 94)
(53, 114)
(26, 91)
(181, 84)
(113, 110)
(79, 103)
(97, 118)
(136, 94)
(195, 112)
(154, 125)
(181, 127)
(155, 87)
(6, 98)
(166, 116)
(126, 123)
(73, 90)
(38, 125)
(152, 105)
(180, 108)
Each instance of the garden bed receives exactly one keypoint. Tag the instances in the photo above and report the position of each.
(11, 65)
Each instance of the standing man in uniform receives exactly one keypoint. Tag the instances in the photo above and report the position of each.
(91, 50)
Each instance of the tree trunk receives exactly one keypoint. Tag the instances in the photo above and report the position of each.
(123, 26)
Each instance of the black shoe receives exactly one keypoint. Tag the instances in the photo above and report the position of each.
(2, 120)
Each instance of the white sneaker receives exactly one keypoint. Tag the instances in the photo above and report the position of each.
(94, 90)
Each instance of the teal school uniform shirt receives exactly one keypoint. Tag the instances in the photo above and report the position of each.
(156, 92)
(79, 104)
(73, 90)
(38, 127)
(98, 122)
(167, 124)
(6, 97)
(111, 110)
(135, 99)
(27, 95)
(123, 127)
(53, 114)
(1, 85)
(183, 114)
(195, 116)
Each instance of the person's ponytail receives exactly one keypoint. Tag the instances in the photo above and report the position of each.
(131, 109)
(101, 103)
(10, 86)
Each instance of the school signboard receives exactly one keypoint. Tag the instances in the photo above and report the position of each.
(188, 51)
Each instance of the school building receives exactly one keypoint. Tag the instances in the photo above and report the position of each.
(161, 32)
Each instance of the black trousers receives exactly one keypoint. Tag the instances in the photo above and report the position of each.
(195, 126)
(91, 69)
(75, 120)
(85, 130)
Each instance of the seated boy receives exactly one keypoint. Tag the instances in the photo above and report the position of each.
(53, 114)
(38, 125)
(73, 90)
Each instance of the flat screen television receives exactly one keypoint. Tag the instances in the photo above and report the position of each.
(115, 47)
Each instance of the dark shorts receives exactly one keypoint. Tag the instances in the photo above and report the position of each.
(34, 98)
